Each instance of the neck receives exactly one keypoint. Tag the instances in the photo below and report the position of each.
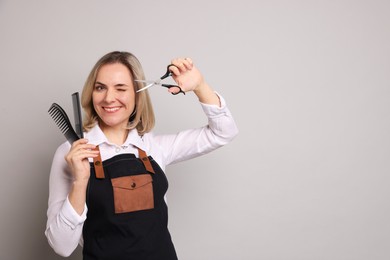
(115, 135)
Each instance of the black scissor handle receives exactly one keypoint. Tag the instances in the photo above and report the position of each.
(168, 73)
(174, 86)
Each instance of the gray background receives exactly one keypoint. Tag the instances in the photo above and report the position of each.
(307, 81)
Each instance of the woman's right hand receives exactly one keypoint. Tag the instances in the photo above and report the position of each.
(77, 159)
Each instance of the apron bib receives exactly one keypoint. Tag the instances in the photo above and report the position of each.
(127, 215)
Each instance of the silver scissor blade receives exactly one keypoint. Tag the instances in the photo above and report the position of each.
(146, 87)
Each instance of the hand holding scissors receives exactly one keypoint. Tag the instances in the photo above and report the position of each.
(152, 83)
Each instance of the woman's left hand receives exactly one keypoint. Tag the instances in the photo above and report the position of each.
(186, 75)
(189, 78)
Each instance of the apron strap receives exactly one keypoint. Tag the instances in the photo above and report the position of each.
(97, 163)
(145, 160)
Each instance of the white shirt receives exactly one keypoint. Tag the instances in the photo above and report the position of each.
(64, 226)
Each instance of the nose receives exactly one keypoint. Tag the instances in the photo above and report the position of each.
(110, 95)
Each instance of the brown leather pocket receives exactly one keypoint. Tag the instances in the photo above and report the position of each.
(133, 193)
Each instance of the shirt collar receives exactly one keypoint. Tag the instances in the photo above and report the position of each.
(96, 136)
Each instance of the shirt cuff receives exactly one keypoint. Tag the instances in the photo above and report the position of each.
(214, 110)
(70, 216)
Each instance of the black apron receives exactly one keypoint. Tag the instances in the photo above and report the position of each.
(127, 215)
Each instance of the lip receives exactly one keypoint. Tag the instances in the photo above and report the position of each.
(111, 109)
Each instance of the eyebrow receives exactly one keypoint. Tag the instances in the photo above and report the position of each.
(117, 85)
(99, 83)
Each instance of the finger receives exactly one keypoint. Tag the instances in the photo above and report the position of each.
(82, 151)
(188, 63)
(86, 146)
(90, 154)
(80, 141)
(81, 155)
(86, 149)
(76, 144)
(174, 70)
(174, 90)
(181, 64)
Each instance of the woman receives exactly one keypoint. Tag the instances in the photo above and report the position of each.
(108, 193)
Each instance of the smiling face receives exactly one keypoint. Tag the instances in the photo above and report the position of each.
(113, 96)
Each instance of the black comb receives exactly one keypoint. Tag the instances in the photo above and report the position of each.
(61, 119)
(78, 124)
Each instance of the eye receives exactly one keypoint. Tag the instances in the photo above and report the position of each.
(121, 87)
(99, 87)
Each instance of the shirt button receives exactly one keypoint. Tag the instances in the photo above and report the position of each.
(117, 149)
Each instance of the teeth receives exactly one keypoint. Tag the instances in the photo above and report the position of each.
(111, 109)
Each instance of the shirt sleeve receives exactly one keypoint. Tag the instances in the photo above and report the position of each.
(64, 226)
(187, 144)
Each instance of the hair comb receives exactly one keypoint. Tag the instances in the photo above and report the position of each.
(62, 121)
(78, 122)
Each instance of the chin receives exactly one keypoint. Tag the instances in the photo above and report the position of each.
(115, 124)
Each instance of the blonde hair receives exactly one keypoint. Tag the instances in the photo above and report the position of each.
(143, 116)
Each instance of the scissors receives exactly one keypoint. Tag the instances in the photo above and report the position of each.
(152, 83)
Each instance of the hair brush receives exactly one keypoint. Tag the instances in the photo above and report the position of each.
(61, 119)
